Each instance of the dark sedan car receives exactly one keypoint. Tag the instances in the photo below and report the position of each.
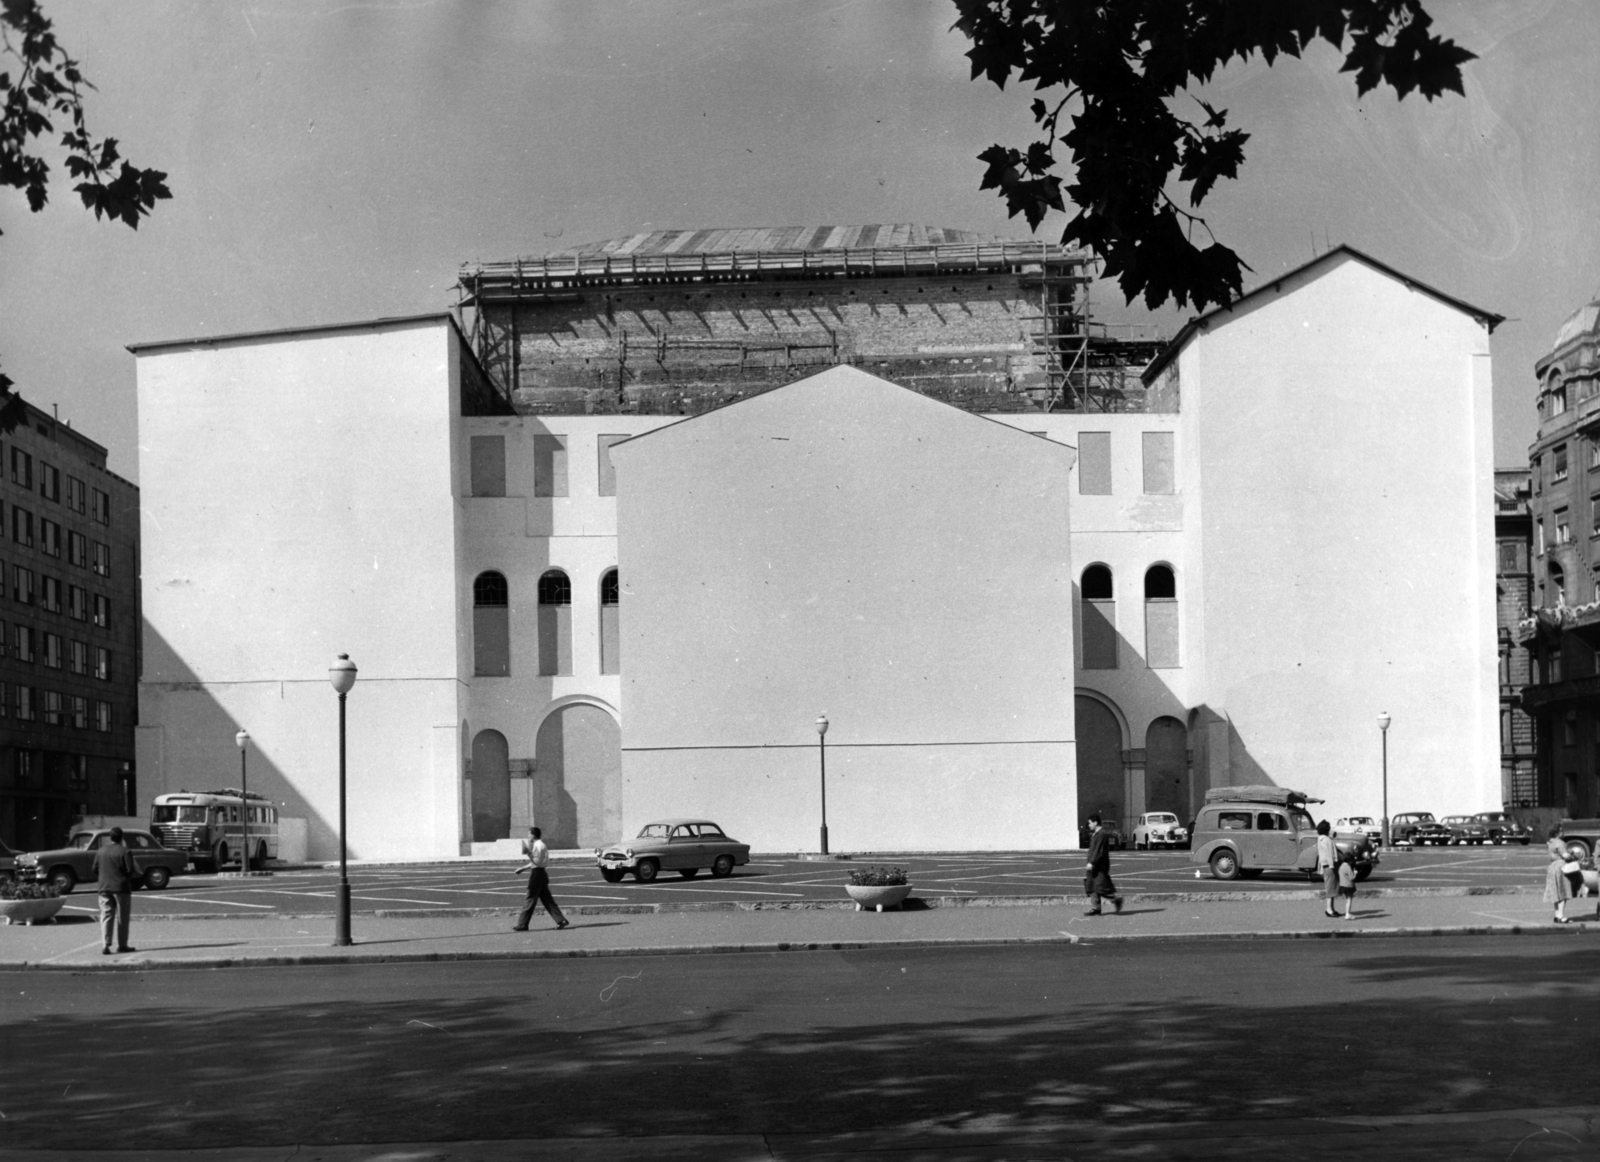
(681, 845)
(1502, 828)
(1418, 828)
(68, 866)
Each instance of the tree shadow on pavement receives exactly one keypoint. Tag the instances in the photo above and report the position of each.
(1010, 1044)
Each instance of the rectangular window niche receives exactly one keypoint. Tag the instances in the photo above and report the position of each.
(1099, 635)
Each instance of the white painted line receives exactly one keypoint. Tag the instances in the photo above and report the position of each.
(213, 900)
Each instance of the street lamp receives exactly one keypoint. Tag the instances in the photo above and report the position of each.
(343, 676)
(822, 759)
(1383, 730)
(243, 738)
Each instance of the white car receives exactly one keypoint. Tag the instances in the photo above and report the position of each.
(1359, 825)
(1159, 829)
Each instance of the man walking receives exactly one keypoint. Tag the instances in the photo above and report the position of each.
(113, 865)
(538, 882)
(1097, 883)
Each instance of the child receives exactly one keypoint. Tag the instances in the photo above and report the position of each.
(1347, 885)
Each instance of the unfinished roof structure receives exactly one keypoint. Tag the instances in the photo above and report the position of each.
(677, 322)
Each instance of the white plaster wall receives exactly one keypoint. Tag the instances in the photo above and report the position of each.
(298, 503)
(844, 545)
(1338, 432)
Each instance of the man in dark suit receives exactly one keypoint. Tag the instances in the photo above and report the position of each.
(1097, 883)
(114, 867)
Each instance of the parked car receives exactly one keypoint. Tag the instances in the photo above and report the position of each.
(681, 845)
(1502, 828)
(1464, 829)
(1244, 831)
(1114, 837)
(1360, 825)
(1582, 836)
(68, 866)
(1418, 828)
(1159, 829)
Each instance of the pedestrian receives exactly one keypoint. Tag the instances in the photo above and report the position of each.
(538, 882)
(1328, 865)
(1097, 883)
(1347, 885)
(115, 870)
(1558, 886)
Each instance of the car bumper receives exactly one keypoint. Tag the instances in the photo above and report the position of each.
(616, 862)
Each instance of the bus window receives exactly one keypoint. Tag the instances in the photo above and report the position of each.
(174, 813)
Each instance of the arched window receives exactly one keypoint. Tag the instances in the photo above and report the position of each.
(610, 626)
(1160, 618)
(1099, 619)
(555, 623)
(491, 634)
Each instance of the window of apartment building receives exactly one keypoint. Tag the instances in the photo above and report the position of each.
(1538, 536)
(102, 611)
(1558, 463)
(24, 703)
(78, 766)
(21, 468)
(52, 651)
(21, 526)
(1552, 665)
(77, 495)
(1558, 400)
(102, 717)
(102, 559)
(1099, 610)
(21, 585)
(1536, 474)
(77, 550)
(549, 465)
(488, 468)
(50, 537)
(1569, 728)
(1160, 618)
(100, 507)
(555, 623)
(1594, 454)
(102, 663)
(608, 471)
(52, 708)
(1159, 477)
(1094, 463)
(77, 603)
(1563, 527)
(50, 592)
(49, 482)
(1508, 556)
(1558, 583)
(610, 624)
(491, 628)
(80, 712)
(78, 658)
(22, 643)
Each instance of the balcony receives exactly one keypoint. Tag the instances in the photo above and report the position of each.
(1553, 621)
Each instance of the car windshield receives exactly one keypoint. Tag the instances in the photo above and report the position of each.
(176, 813)
(1360, 821)
(1162, 817)
(654, 831)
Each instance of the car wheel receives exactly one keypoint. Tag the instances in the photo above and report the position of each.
(1577, 849)
(157, 878)
(260, 860)
(689, 873)
(611, 875)
(722, 867)
(646, 870)
(1524, 841)
(63, 880)
(220, 856)
(1224, 865)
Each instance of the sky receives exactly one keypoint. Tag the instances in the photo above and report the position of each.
(340, 160)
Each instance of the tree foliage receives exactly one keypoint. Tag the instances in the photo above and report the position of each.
(1119, 75)
(39, 83)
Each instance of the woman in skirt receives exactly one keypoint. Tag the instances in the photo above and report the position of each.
(1557, 883)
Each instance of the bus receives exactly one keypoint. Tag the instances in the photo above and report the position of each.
(208, 825)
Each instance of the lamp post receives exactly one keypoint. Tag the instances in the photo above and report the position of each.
(822, 759)
(343, 676)
(243, 739)
(1383, 730)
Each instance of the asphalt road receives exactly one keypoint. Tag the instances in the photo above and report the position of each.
(1080, 1051)
(776, 881)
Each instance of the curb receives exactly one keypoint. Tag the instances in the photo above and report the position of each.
(916, 904)
(325, 959)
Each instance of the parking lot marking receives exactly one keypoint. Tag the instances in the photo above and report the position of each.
(213, 900)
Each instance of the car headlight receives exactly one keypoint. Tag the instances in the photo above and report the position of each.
(627, 853)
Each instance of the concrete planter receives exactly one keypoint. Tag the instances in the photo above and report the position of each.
(874, 898)
(30, 911)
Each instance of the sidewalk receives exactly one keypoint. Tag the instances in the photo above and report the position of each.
(73, 942)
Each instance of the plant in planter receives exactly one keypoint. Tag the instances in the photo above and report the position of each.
(877, 888)
(29, 903)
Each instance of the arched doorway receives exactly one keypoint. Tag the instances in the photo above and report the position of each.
(491, 787)
(1100, 782)
(579, 772)
(1166, 768)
